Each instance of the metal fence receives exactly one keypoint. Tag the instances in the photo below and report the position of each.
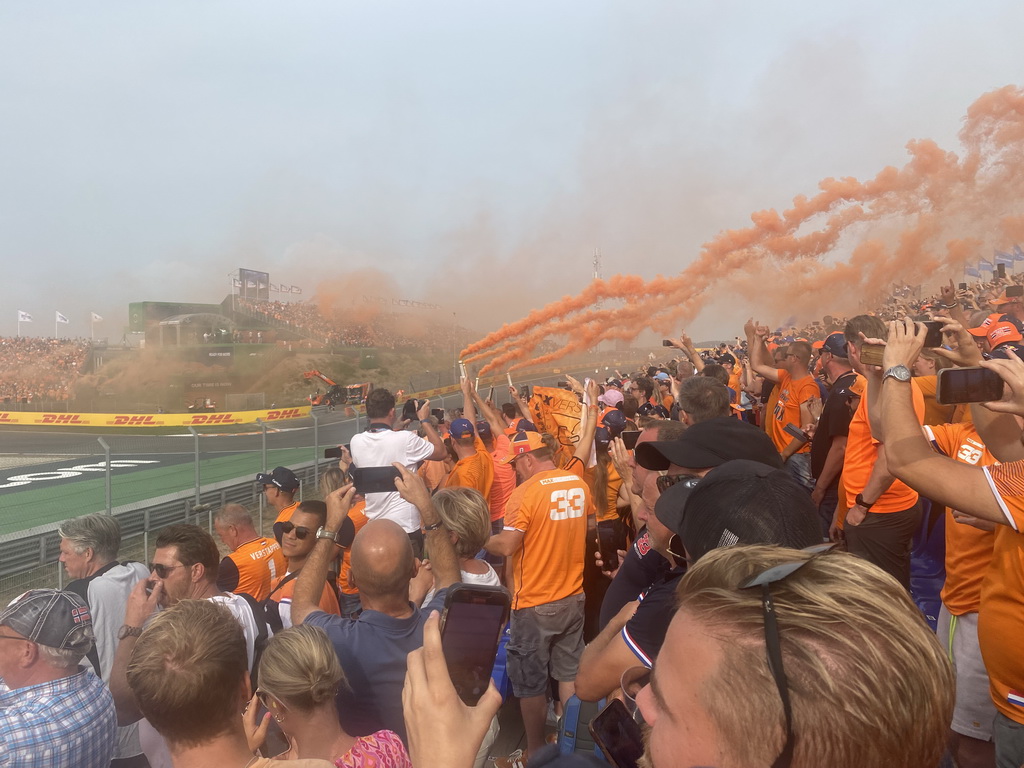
(149, 482)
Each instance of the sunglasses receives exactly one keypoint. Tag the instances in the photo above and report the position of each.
(162, 570)
(664, 482)
(301, 531)
(773, 640)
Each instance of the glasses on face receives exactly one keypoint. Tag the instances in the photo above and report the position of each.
(162, 570)
(301, 531)
(664, 482)
(773, 640)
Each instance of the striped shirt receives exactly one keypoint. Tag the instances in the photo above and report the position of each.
(65, 723)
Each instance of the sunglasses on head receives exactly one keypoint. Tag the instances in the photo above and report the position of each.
(301, 531)
(162, 570)
(773, 639)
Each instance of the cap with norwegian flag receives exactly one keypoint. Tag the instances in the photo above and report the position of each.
(52, 618)
(520, 443)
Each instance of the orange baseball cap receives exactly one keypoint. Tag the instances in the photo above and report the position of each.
(522, 442)
(1002, 332)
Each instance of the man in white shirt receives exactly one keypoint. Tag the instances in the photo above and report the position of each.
(381, 446)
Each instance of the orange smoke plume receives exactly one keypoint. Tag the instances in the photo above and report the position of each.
(850, 240)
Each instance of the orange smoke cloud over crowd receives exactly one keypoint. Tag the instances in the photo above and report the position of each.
(826, 253)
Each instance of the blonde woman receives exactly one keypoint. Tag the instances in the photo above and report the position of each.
(299, 677)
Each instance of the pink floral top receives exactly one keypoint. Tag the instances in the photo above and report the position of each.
(383, 749)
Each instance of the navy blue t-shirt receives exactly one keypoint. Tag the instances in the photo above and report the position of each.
(642, 567)
(372, 650)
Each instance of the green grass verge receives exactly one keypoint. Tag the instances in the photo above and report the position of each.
(32, 507)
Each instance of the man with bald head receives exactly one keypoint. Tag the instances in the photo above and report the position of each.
(373, 648)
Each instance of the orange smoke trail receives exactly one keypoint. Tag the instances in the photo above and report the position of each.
(929, 217)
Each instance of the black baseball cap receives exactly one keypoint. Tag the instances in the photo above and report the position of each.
(739, 502)
(709, 444)
(281, 477)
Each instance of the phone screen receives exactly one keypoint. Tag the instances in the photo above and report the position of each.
(629, 438)
(968, 385)
(871, 354)
(374, 479)
(618, 735)
(934, 336)
(474, 619)
(608, 542)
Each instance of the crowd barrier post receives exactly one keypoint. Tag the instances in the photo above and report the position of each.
(195, 438)
(316, 448)
(106, 475)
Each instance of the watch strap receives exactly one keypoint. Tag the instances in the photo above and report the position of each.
(861, 503)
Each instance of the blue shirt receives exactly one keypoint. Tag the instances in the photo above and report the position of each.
(66, 723)
(372, 650)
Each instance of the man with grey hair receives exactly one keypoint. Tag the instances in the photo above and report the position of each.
(53, 713)
(255, 560)
(88, 549)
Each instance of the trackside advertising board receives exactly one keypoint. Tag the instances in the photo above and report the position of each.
(151, 419)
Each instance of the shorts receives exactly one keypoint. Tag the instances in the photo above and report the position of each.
(546, 640)
(974, 712)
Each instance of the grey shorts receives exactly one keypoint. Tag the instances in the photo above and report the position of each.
(546, 640)
(974, 711)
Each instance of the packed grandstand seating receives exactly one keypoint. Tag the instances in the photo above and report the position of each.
(34, 368)
(384, 331)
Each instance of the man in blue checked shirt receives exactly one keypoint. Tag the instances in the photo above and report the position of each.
(53, 713)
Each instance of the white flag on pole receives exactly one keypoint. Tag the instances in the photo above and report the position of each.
(62, 319)
(96, 318)
(24, 317)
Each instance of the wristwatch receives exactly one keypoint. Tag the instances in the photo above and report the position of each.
(859, 501)
(898, 372)
(323, 533)
(126, 631)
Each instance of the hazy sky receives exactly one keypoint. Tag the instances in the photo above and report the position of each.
(477, 151)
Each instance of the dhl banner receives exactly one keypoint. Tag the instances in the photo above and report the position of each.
(151, 419)
(557, 412)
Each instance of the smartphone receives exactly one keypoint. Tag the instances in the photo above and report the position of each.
(968, 385)
(609, 541)
(666, 342)
(871, 354)
(1014, 291)
(332, 453)
(934, 336)
(471, 626)
(409, 410)
(794, 431)
(438, 413)
(374, 479)
(1001, 270)
(563, 384)
(963, 287)
(629, 438)
(618, 735)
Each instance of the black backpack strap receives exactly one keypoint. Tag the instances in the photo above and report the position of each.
(262, 634)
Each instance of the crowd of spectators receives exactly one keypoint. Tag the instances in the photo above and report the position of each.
(40, 369)
(384, 330)
(791, 550)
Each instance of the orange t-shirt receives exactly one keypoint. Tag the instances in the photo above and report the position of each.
(933, 412)
(608, 510)
(357, 514)
(734, 383)
(283, 517)
(792, 392)
(283, 597)
(861, 453)
(1001, 618)
(504, 479)
(258, 563)
(433, 473)
(551, 509)
(968, 549)
(476, 471)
